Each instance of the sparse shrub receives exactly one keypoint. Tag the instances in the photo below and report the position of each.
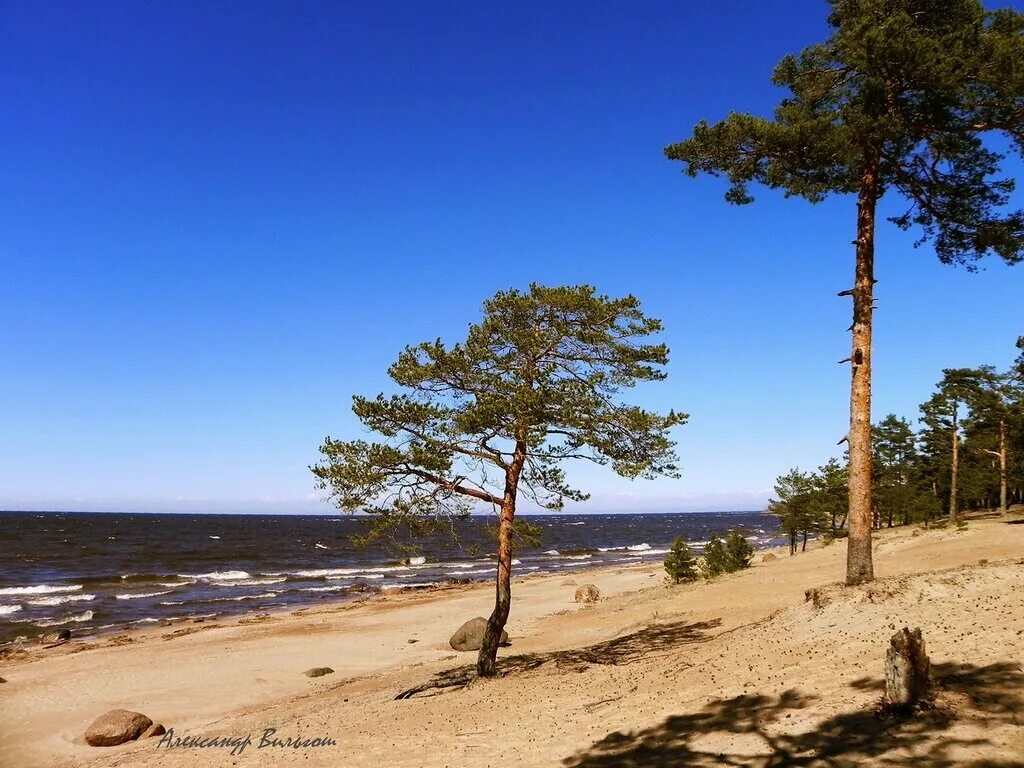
(679, 564)
(739, 551)
(733, 554)
(714, 560)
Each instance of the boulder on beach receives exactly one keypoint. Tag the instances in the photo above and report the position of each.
(116, 727)
(318, 672)
(767, 557)
(588, 593)
(470, 636)
(156, 729)
(569, 583)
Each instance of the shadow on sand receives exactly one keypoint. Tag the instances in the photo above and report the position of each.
(987, 695)
(625, 649)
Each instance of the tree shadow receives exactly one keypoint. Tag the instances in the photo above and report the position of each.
(626, 649)
(747, 730)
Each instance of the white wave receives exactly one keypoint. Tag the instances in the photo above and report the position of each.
(318, 545)
(144, 621)
(478, 572)
(581, 522)
(335, 588)
(650, 552)
(216, 576)
(8, 609)
(172, 602)
(40, 589)
(215, 537)
(516, 562)
(61, 599)
(329, 573)
(174, 583)
(416, 561)
(576, 557)
(87, 616)
(552, 552)
(138, 595)
(265, 595)
(248, 582)
(629, 548)
(326, 573)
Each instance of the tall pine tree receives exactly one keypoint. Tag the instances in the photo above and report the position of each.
(897, 100)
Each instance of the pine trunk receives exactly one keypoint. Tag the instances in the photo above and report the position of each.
(954, 469)
(859, 568)
(486, 663)
(1003, 504)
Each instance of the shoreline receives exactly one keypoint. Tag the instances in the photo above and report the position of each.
(232, 678)
(234, 589)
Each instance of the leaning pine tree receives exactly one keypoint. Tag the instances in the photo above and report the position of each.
(897, 100)
(491, 419)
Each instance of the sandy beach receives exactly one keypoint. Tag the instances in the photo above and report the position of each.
(741, 670)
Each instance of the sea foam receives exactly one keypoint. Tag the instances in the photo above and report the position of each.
(59, 599)
(40, 589)
(139, 595)
(216, 576)
(87, 616)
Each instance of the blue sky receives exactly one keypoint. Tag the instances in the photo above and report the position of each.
(219, 221)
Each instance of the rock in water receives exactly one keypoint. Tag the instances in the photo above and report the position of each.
(318, 672)
(116, 727)
(588, 593)
(470, 636)
(156, 729)
(906, 668)
(767, 557)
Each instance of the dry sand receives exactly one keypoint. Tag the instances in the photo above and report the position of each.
(740, 671)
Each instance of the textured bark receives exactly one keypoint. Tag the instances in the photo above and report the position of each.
(906, 668)
(486, 663)
(1003, 505)
(859, 568)
(954, 469)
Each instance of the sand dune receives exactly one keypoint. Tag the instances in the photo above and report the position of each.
(741, 671)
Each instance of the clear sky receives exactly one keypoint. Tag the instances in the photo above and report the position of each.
(219, 221)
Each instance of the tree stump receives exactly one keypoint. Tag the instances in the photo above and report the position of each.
(906, 668)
